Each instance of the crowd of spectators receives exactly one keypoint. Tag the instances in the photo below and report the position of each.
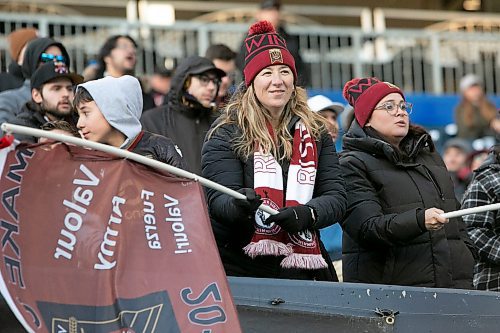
(382, 198)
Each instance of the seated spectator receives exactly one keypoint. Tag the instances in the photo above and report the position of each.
(109, 110)
(475, 116)
(51, 98)
(484, 228)
(455, 156)
(329, 110)
(59, 127)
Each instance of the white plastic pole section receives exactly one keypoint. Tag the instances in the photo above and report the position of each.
(473, 210)
(10, 128)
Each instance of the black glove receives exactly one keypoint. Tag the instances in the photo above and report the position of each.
(293, 219)
(251, 203)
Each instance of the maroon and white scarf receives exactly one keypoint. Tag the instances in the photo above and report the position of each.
(301, 250)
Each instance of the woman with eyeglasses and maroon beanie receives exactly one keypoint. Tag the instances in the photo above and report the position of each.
(397, 186)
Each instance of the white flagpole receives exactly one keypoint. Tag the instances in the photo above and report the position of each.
(473, 210)
(11, 128)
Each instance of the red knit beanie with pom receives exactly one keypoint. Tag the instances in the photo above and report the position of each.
(365, 93)
(264, 48)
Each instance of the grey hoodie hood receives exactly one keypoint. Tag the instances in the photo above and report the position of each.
(120, 102)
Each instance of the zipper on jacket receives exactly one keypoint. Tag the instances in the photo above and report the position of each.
(434, 182)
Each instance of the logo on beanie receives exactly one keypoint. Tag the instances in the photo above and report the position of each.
(60, 67)
(276, 56)
(391, 85)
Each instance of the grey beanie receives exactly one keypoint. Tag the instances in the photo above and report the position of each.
(120, 102)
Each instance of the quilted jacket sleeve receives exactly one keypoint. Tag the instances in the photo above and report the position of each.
(365, 221)
(221, 165)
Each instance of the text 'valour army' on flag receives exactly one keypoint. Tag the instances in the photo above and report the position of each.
(93, 243)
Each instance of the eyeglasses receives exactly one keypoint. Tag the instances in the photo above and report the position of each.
(205, 80)
(47, 57)
(392, 108)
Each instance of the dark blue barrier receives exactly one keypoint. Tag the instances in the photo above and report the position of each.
(428, 110)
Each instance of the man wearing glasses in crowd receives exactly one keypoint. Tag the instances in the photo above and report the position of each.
(39, 51)
(189, 110)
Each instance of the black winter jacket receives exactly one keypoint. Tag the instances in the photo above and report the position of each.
(31, 116)
(385, 240)
(182, 119)
(233, 229)
(157, 148)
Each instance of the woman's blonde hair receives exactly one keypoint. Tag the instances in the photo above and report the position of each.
(245, 111)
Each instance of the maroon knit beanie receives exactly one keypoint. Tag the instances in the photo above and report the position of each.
(365, 93)
(264, 48)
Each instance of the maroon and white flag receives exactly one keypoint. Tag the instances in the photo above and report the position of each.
(93, 243)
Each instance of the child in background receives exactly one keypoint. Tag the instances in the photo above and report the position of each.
(109, 110)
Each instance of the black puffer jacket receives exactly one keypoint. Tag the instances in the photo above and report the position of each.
(385, 240)
(233, 229)
(32, 116)
(29, 117)
(182, 118)
(157, 148)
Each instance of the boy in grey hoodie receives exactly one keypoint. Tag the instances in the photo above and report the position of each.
(109, 110)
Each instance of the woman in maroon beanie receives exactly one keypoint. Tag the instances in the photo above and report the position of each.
(397, 187)
(271, 147)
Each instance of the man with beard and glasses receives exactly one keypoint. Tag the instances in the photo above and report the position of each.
(51, 98)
